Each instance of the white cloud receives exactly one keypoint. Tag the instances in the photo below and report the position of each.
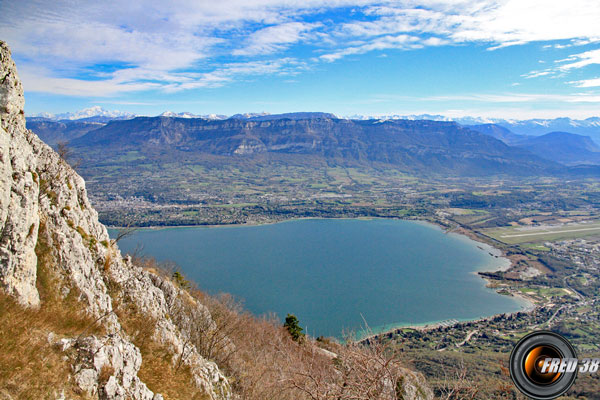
(230, 72)
(139, 79)
(112, 46)
(520, 98)
(381, 43)
(595, 82)
(500, 23)
(38, 80)
(521, 113)
(275, 38)
(536, 74)
(584, 59)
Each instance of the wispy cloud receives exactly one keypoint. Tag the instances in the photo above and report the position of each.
(537, 74)
(581, 60)
(381, 43)
(275, 38)
(140, 79)
(111, 47)
(519, 98)
(41, 80)
(573, 62)
(586, 83)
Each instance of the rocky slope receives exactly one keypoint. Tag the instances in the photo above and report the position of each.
(45, 213)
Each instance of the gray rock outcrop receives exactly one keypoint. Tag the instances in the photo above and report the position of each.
(19, 212)
(43, 203)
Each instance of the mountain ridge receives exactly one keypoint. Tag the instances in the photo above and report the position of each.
(532, 126)
(564, 147)
(426, 146)
(567, 148)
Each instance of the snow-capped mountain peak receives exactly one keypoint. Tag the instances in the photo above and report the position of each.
(95, 111)
(172, 114)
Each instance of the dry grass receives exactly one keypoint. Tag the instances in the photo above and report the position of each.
(105, 373)
(30, 367)
(265, 363)
(161, 377)
(63, 314)
(158, 370)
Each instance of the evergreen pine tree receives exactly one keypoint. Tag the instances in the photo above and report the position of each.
(293, 327)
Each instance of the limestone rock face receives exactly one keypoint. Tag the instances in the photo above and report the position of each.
(415, 387)
(107, 367)
(19, 214)
(44, 203)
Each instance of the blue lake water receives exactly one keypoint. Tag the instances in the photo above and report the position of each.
(333, 273)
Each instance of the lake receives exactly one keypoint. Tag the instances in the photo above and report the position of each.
(334, 274)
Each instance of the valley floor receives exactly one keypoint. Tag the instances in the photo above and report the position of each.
(547, 227)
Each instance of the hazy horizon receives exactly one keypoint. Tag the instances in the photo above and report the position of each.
(100, 111)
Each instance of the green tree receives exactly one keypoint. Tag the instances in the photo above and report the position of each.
(180, 280)
(293, 327)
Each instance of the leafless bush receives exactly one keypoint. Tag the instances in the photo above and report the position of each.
(264, 362)
(66, 153)
(124, 232)
(355, 372)
(458, 385)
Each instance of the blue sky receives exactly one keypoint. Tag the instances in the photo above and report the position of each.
(508, 59)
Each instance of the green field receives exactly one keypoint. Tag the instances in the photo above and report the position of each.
(514, 235)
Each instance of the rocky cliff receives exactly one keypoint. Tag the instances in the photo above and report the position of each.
(48, 227)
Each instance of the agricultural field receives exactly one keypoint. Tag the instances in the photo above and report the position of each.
(535, 234)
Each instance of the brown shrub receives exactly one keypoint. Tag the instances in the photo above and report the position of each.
(264, 362)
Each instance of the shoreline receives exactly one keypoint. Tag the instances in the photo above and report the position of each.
(434, 325)
(458, 231)
(528, 307)
(253, 224)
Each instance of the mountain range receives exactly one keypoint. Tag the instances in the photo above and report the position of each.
(535, 127)
(566, 148)
(412, 145)
(563, 147)
(91, 112)
(424, 147)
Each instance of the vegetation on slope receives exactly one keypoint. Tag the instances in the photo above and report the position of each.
(31, 367)
(264, 361)
(259, 355)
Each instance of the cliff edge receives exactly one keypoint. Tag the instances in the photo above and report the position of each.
(53, 250)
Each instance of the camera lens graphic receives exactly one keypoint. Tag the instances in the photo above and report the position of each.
(534, 362)
(527, 360)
